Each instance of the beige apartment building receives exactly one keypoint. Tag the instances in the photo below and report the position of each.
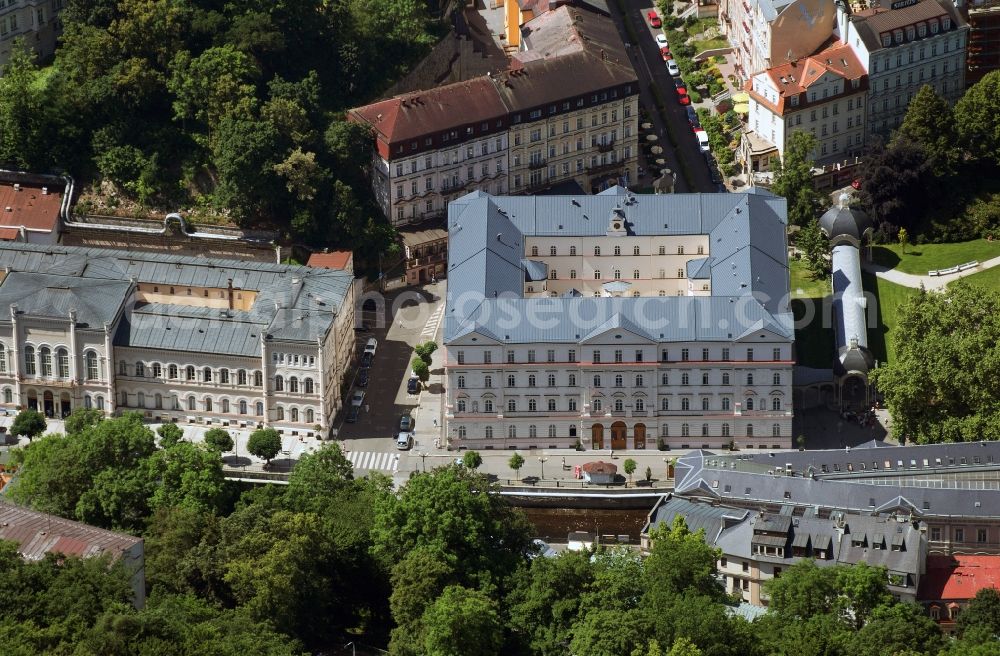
(566, 110)
(176, 338)
(35, 22)
(823, 94)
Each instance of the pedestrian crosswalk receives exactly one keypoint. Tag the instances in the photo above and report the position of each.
(374, 460)
(430, 329)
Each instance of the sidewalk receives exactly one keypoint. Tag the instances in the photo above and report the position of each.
(928, 282)
(428, 433)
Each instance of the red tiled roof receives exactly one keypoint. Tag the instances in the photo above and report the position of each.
(958, 577)
(796, 77)
(39, 533)
(335, 260)
(29, 207)
(600, 467)
(10, 234)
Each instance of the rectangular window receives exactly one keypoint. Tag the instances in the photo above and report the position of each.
(597, 356)
(572, 356)
(959, 535)
(461, 357)
(531, 355)
(510, 357)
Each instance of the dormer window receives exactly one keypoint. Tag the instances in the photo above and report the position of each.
(886, 40)
(945, 23)
(910, 32)
(922, 30)
(898, 36)
(934, 26)
(795, 101)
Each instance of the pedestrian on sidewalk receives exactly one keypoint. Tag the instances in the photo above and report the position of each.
(435, 422)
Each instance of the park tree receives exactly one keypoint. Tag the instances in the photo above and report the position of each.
(976, 118)
(185, 474)
(81, 419)
(425, 351)
(23, 111)
(803, 591)
(815, 248)
(545, 601)
(941, 385)
(629, 466)
(421, 369)
(793, 179)
(680, 560)
(863, 588)
(515, 463)
(170, 434)
(472, 459)
(897, 183)
(264, 443)
(219, 440)
(904, 239)
(28, 423)
(929, 121)
(417, 580)
(896, 628)
(181, 555)
(462, 622)
(211, 84)
(982, 615)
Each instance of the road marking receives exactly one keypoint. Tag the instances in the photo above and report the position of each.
(374, 460)
(430, 328)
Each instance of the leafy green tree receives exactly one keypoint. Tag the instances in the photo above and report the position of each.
(417, 580)
(208, 86)
(185, 474)
(81, 419)
(863, 588)
(545, 600)
(941, 386)
(264, 443)
(930, 122)
(898, 628)
(181, 556)
(453, 510)
(629, 465)
(896, 185)
(425, 351)
(421, 369)
(462, 622)
(904, 239)
(680, 561)
(682, 647)
(815, 247)
(982, 613)
(303, 175)
(515, 463)
(219, 440)
(975, 117)
(610, 633)
(28, 423)
(793, 179)
(823, 634)
(803, 591)
(472, 459)
(23, 110)
(322, 473)
(170, 434)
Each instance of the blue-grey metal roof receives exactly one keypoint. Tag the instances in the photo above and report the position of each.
(292, 302)
(96, 302)
(850, 312)
(748, 267)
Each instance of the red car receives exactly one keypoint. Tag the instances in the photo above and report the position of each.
(681, 91)
(665, 53)
(654, 18)
(684, 99)
(856, 183)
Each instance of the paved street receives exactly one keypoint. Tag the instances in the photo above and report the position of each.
(648, 64)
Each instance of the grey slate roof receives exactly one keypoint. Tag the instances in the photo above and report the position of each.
(840, 221)
(748, 267)
(95, 301)
(294, 303)
(744, 480)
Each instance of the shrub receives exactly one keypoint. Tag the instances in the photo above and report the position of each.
(695, 96)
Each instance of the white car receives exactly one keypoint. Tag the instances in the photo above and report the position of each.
(702, 138)
(357, 398)
(404, 441)
(661, 40)
(371, 345)
(672, 68)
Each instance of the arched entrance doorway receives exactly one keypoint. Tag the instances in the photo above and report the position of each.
(65, 407)
(597, 436)
(640, 436)
(619, 431)
(48, 404)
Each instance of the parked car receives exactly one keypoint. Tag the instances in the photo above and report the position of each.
(679, 82)
(665, 53)
(692, 115)
(353, 414)
(672, 68)
(363, 377)
(371, 345)
(654, 18)
(661, 40)
(681, 90)
(404, 441)
(413, 386)
(702, 138)
(684, 100)
(366, 359)
(406, 423)
(358, 398)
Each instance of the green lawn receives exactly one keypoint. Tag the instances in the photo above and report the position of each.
(709, 44)
(802, 283)
(989, 279)
(890, 297)
(921, 258)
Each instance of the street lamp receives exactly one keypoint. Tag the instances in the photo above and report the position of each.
(351, 645)
(423, 461)
(542, 461)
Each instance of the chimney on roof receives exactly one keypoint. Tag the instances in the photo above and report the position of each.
(45, 191)
(229, 292)
(17, 186)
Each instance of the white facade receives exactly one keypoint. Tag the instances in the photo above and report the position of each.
(34, 21)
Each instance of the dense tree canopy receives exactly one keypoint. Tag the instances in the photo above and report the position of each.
(793, 179)
(943, 384)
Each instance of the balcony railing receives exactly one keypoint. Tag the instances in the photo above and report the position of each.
(604, 168)
(606, 147)
(536, 164)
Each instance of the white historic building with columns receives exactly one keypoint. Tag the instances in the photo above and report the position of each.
(176, 338)
(618, 321)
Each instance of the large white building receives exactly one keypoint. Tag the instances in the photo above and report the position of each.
(618, 321)
(177, 338)
(35, 22)
(904, 46)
